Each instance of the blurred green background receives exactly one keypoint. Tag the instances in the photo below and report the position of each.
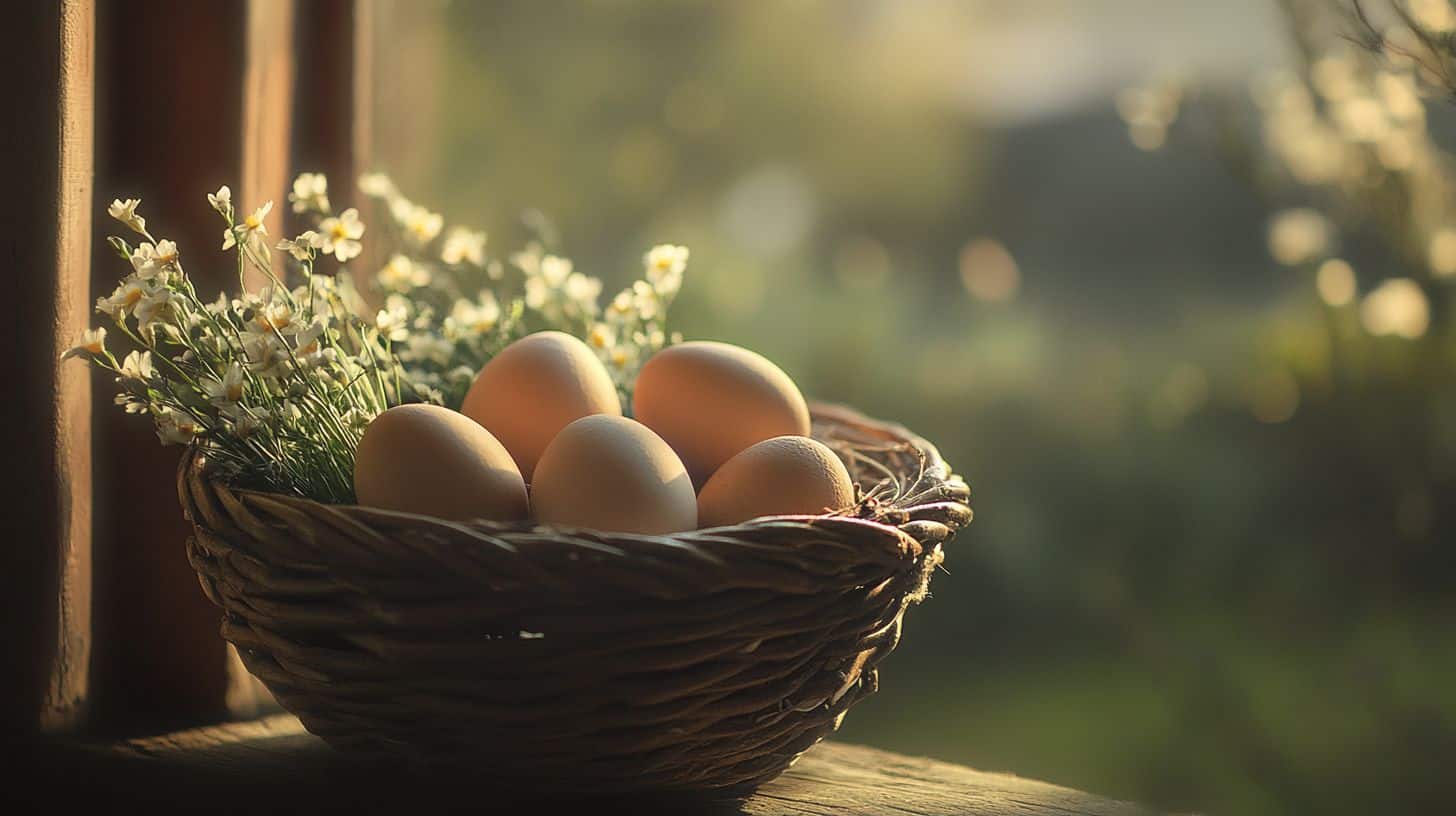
(1211, 565)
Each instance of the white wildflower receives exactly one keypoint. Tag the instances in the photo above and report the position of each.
(175, 427)
(226, 391)
(537, 293)
(303, 247)
(665, 266)
(308, 346)
(125, 212)
(92, 342)
(129, 403)
(478, 316)
(463, 245)
(120, 303)
(340, 236)
(155, 306)
(310, 193)
(620, 308)
(222, 200)
(583, 290)
(392, 323)
(601, 337)
(555, 270)
(402, 274)
(622, 357)
(249, 231)
(150, 260)
(137, 366)
(376, 185)
(528, 260)
(276, 316)
(645, 300)
(265, 355)
(418, 222)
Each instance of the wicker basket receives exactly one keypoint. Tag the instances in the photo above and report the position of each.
(575, 659)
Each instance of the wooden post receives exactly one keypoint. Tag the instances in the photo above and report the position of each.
(209, 101)
(333, 109)
(45, 571)
(213, 106)
(267, 114)
(332, 132)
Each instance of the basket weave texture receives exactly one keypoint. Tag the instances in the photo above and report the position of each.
(576, 659)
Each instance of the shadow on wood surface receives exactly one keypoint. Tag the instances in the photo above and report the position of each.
(273, 765)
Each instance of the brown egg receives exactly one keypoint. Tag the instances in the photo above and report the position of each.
(535, 387)
(436, 462)
(712, 400)
(783, 476)
(612, 474)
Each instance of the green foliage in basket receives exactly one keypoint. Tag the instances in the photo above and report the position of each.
(277, 385)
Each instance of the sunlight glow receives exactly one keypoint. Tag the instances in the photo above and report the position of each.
(1335, 282)
(1396, 307)
(988, 271)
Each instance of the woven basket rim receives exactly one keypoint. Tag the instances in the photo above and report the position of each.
(888, 520)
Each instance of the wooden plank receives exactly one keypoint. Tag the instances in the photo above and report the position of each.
(172, 125)
(45, 572)
(334, 109)
(333, 131)
(261, 765)
(267, 120)
(268, 87)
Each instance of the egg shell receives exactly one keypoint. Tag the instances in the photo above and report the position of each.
(783, 476)
(535, 387)
(712, 400)
(436, 462)
(613, 474)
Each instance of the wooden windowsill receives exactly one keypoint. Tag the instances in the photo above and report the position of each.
(273, 765)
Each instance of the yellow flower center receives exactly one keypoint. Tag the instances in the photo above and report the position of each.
(252, 222)
(339, 232)
(132, 296)
(277, 319)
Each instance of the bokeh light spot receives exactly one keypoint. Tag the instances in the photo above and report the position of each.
(1442, 252)
(988, 271)
(1299, 236)
(1396, 307)
(1335, 282)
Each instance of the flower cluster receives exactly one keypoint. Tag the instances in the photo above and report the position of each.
(275, 386)
(634, 324)
(449, 305)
